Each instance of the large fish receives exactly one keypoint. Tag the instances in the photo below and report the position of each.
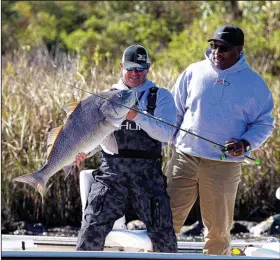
(90, 124)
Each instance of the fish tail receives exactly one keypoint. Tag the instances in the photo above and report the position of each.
(34, 181)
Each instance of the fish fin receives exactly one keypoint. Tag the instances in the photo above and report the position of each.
(70, 107)
(53, 134)
(35, 182)
(68, 169)
(110, 145)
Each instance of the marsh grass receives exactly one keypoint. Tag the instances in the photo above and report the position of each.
(33, 95)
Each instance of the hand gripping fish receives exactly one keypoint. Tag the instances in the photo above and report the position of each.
(90, 124)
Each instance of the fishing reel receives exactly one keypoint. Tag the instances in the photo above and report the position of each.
(223, 157)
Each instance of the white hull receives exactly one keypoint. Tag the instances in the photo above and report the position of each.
(271, 250)
(42, 247)
(111, 255)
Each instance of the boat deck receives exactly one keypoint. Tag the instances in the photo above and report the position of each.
(54, 248)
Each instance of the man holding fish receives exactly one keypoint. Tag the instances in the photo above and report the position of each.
(134, 174)
(130, 145)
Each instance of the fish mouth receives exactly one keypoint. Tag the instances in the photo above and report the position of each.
(128, 107)
(120, 111)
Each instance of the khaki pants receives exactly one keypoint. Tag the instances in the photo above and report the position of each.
(216, 183)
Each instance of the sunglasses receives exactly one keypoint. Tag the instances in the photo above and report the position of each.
(221, 48)
(137, 69)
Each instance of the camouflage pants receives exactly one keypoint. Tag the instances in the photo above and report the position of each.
(123, 180)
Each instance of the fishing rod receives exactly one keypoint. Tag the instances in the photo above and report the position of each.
(223, 148)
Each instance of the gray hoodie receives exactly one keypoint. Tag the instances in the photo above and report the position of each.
(165, 110)
(220, 105)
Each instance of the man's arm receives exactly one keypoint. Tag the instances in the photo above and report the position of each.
(257, 133)
(166, 111)
(262, 127)
(180, 94)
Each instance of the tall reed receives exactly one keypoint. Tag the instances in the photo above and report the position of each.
(33, 94)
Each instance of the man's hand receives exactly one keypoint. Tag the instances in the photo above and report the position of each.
(235, 147)
(80, 157)
(131, 114)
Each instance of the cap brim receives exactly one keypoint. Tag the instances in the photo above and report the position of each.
(129, 64)
(219, 40)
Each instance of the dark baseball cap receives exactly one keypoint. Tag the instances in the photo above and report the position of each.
(135, 56)
(229, 34)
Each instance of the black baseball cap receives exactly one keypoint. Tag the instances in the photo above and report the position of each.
(135, 56)
(229, 34)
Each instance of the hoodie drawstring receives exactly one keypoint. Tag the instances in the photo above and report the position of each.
(222, 92)
(223, 83)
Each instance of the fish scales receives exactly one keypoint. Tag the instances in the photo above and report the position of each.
(92, 122)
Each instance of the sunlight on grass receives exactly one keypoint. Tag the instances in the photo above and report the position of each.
(33, 94)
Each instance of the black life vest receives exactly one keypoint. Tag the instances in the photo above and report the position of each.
(134, 142)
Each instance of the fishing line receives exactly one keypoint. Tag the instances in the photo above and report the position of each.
(223, 148)
(138, 102)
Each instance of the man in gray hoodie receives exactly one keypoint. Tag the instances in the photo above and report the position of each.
(222, 99)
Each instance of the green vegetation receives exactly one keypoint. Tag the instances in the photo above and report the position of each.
(47, 44)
